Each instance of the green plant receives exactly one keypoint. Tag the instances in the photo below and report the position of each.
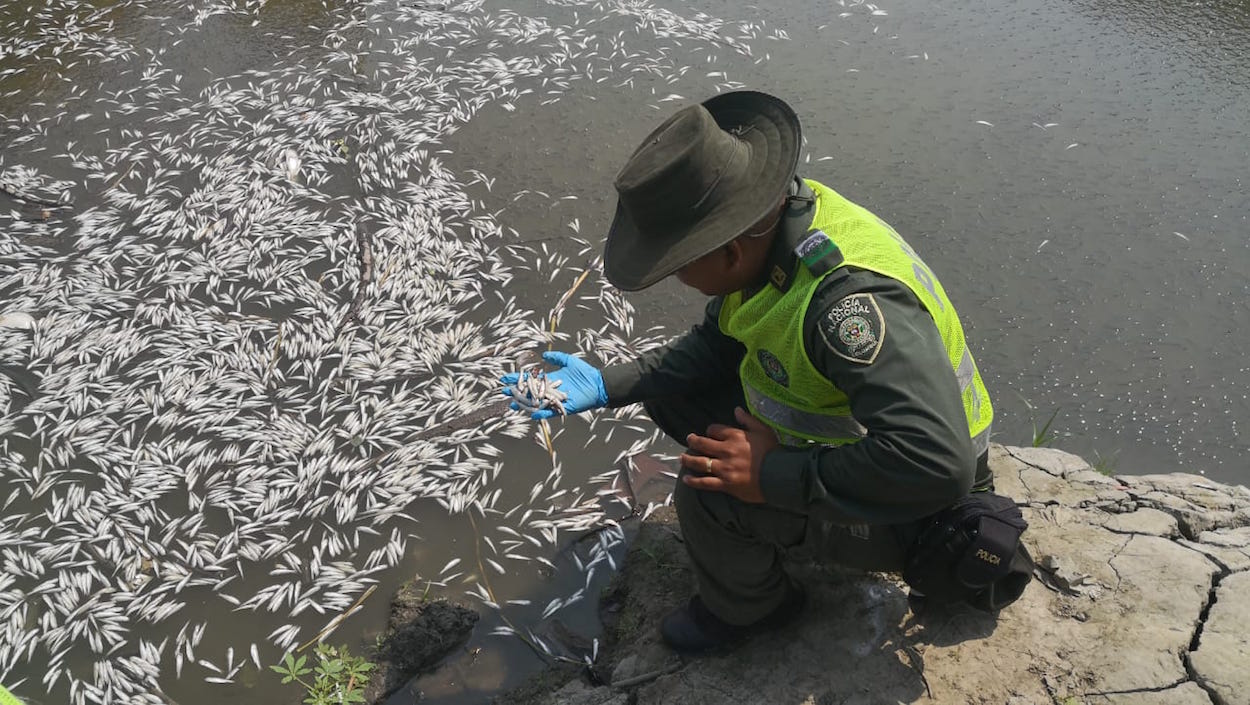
(1105, 465)
(657, 559)
(339, 678)
(1044, 435)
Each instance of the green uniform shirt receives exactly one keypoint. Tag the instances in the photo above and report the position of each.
(917, 456)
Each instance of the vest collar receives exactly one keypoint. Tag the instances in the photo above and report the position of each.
(782, 263)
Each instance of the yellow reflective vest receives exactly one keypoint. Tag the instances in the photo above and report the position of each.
(7, 698)
(809, 408)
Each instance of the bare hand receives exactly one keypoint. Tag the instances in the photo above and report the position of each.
(728, 459)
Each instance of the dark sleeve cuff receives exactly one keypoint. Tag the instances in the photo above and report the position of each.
(782, 478)
(619, 381)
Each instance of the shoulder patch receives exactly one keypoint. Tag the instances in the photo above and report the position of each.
(818, 252)
(854, 328)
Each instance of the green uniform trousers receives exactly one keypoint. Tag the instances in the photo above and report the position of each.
(736, 548)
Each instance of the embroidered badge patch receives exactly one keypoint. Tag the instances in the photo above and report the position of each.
(854, 328)
(773, 367)
(814, 247)
(818, 253)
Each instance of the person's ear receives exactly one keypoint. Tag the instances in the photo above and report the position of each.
(733, 253)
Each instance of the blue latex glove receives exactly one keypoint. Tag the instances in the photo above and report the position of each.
(580, 380)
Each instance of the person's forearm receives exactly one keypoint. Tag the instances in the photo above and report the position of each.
(885, 478)
(692, 362)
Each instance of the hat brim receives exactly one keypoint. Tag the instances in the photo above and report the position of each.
(772, 132)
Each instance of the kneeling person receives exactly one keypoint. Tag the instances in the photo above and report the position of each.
(827, 399)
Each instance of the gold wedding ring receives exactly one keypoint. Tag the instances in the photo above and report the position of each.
(707, 462)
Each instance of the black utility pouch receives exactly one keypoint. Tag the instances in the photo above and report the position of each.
(971, 552)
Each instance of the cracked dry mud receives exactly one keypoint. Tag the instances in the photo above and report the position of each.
(1142, 597)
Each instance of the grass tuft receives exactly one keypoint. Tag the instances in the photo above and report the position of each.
(1105, 464)
(1045, 435)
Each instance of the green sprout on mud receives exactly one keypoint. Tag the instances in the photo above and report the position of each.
(339, 678)
(1105, 464)
(1045, 435)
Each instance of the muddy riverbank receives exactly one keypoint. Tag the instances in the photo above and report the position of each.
(1141, 596)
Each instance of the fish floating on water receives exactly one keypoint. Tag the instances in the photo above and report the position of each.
(271, 322)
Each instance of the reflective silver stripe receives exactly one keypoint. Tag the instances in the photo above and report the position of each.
(966, 371)
(922, 274)
(788, 417)
(966, 374)
(981, 441)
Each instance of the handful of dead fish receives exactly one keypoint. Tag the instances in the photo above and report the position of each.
(534, 391)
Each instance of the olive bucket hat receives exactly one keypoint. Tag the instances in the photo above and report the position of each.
(699, 180)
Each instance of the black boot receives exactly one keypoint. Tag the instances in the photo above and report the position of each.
(694, 630)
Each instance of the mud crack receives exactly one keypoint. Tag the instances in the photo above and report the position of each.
(1119, 579)
(1187, 658)
(1130, 691)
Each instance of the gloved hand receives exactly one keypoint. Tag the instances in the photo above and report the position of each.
(580, 380)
